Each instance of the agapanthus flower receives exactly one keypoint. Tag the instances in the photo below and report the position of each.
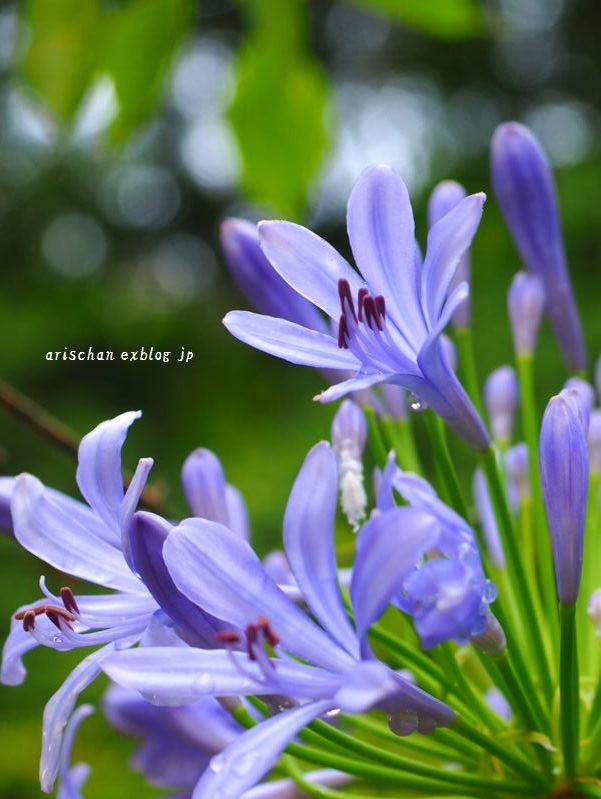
(523, 182)
(526, 303)
(219, 572)
(501, 396)
(447, 593)
(564, 471)
(388, 320)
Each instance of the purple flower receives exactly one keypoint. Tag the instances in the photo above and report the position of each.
(523, 182)
(444, 198)
(501, 398)
(564, 472)
(448, 594)
(518, 475)
(526, 303)
(391, 318)
(219, 572)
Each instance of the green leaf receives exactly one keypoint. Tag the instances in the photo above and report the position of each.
(278, 113)
(446, 19)
(139, 41)
(60, 58)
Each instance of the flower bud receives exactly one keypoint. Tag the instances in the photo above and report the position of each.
(349, 434)
(525, 190)
(488, 521)
(594, 610)
(444, 198)
(492, 641)
(586, 394)
(501, 399)
(497, 702)
(259, 281)
(563, 454)
(526, 303)
(518, 475)
(594, 441)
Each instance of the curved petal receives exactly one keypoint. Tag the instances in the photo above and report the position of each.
(6, 488)
(45, 528)
(18, 643)
(243, 763)
(382, 235)
(146, 535)
(389, 547)
(308, 264)
(220, 572)
(58, 710)
(309, 542)
(289, 341)
(448, 240)
(134, 491)
(72, 778)
(348, 386)
(99, 473)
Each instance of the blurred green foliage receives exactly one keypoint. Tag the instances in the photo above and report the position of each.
(288, 67)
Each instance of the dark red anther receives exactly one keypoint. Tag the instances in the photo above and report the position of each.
(68, 598)
(28, 620)
(227, 637)
(263, 624)
(343, 333)
(360, 300)
(251, 639)
(380, 306)
(344, 292)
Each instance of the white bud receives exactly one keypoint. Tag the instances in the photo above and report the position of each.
(349, 434)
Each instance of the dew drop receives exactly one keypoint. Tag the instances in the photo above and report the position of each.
(218, 763)
(57, 639)
(333, 713)
(416, 404)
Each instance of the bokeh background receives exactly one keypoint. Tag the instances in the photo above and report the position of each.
(129, 129)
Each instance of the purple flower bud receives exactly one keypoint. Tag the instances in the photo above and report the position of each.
(526, 302)
(501, 399)
(525, 190)
(444, 198)
(594, 610)
(257, 279)
(518, 476)
(564, 468)
(594, 440)
(497, 702)
(487, 518)
(492, 640)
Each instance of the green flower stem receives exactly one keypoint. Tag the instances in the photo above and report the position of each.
(374, 437)
(500, 750)
(444, 464)
(568, 687)
(517, 575)
(467, 363)
(400, 437)
(531, 425)
(376, 754)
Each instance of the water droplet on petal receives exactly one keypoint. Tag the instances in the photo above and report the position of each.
(416, 404)
(57, 639)
(218, 763)
(332, 713)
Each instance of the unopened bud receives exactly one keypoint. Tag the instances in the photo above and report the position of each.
(526, 302)
(501, 398)
(349, 434)
(518, 475)
(492, 641)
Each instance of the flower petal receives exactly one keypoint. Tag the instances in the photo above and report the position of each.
(289, 341)
(72, 778)
(288, 789)
(348, 386)
(204, 486)
(389, 547)
(48, 530)
(382, 235)
(309, 541)
(6, 488)
(220, 572)
(146, 535)
(244, 762)
(58, 710)
(183, 675)
(237, 512)
(99, 473)
(448, 240)
(308, 264)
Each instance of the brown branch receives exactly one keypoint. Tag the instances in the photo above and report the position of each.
(49, 427)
